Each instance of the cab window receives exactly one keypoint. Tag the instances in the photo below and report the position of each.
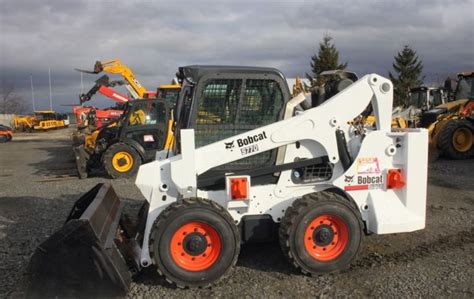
(217, 110)
(146, 113)
(262, 102)
(228, 107)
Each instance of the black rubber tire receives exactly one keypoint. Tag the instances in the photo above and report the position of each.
(3, 139)
(109, 154)
(301, 213)
(180, 213)
(445, 140)
(9, 137)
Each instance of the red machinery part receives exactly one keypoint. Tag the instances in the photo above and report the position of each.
(239, 188)
(110, 93)
(395, 179)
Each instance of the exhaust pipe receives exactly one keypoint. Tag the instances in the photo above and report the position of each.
(90, 256)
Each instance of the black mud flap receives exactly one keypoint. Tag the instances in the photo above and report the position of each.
(84, 258)
(82, 158)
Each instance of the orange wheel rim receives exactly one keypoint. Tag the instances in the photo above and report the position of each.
(195, 246)
(326, 237)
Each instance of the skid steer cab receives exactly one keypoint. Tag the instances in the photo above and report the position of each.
(249, 164)
(121, 147)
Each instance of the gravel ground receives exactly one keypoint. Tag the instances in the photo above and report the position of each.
(435, 262)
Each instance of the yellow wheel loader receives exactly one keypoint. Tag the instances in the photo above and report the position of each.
(249, 164)
(450, 125)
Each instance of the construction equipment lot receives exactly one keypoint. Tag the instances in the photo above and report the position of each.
(38, 185)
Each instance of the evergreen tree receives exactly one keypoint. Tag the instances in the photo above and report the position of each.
(408, 68)
(326, 59)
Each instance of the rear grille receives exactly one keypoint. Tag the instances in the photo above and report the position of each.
(313, 173)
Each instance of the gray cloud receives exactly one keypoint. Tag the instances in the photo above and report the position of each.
(155, 37)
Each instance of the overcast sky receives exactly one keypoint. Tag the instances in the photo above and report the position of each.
(155, 37)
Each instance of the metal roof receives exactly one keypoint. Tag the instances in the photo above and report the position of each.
(194, 72)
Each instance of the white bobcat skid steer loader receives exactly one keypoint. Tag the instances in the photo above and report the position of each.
(331, 182)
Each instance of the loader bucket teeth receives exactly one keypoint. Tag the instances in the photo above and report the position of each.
(82, 259)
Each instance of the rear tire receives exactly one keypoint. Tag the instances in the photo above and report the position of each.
(194, 242)
(456, 139)
(3, 139)
(120, 160)
(321, 233)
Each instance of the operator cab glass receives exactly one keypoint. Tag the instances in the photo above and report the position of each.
(436, 97)
(169, 95)
(146, 113)
(418, 98)
(465, 88)
(146, 125)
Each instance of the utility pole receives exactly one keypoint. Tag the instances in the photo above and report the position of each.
(32, 92)
(50, 93)
(82, 84)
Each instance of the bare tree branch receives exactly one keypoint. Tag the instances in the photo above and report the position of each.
(11, 103)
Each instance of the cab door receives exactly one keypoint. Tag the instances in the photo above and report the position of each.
(239, 103)
(146, 126)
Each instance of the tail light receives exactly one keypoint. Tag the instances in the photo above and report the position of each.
(395, 179)
(238, 187)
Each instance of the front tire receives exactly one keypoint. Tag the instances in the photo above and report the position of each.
(194, 243)
(121, 161)
(456, 139)
(321, 233)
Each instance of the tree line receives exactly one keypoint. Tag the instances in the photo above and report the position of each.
(407, 68)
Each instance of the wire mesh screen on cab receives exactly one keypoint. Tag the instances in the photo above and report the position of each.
(228, 107)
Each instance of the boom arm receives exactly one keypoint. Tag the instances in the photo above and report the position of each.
(102, 86)
(116, 67)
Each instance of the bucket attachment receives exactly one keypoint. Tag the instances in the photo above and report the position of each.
(88, 256)
(81, 157)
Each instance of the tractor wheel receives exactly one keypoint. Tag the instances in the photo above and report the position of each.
(456, 139)
(321, 233)
(120, 160)
(194, 243)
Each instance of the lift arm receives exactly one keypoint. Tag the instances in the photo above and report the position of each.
(102, 86)
(115, 66)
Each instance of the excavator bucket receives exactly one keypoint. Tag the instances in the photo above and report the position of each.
(85, 258)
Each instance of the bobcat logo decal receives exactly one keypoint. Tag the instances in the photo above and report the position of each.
(348, 179)
(229, 145)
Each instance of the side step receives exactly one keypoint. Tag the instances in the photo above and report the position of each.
(82, 259)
